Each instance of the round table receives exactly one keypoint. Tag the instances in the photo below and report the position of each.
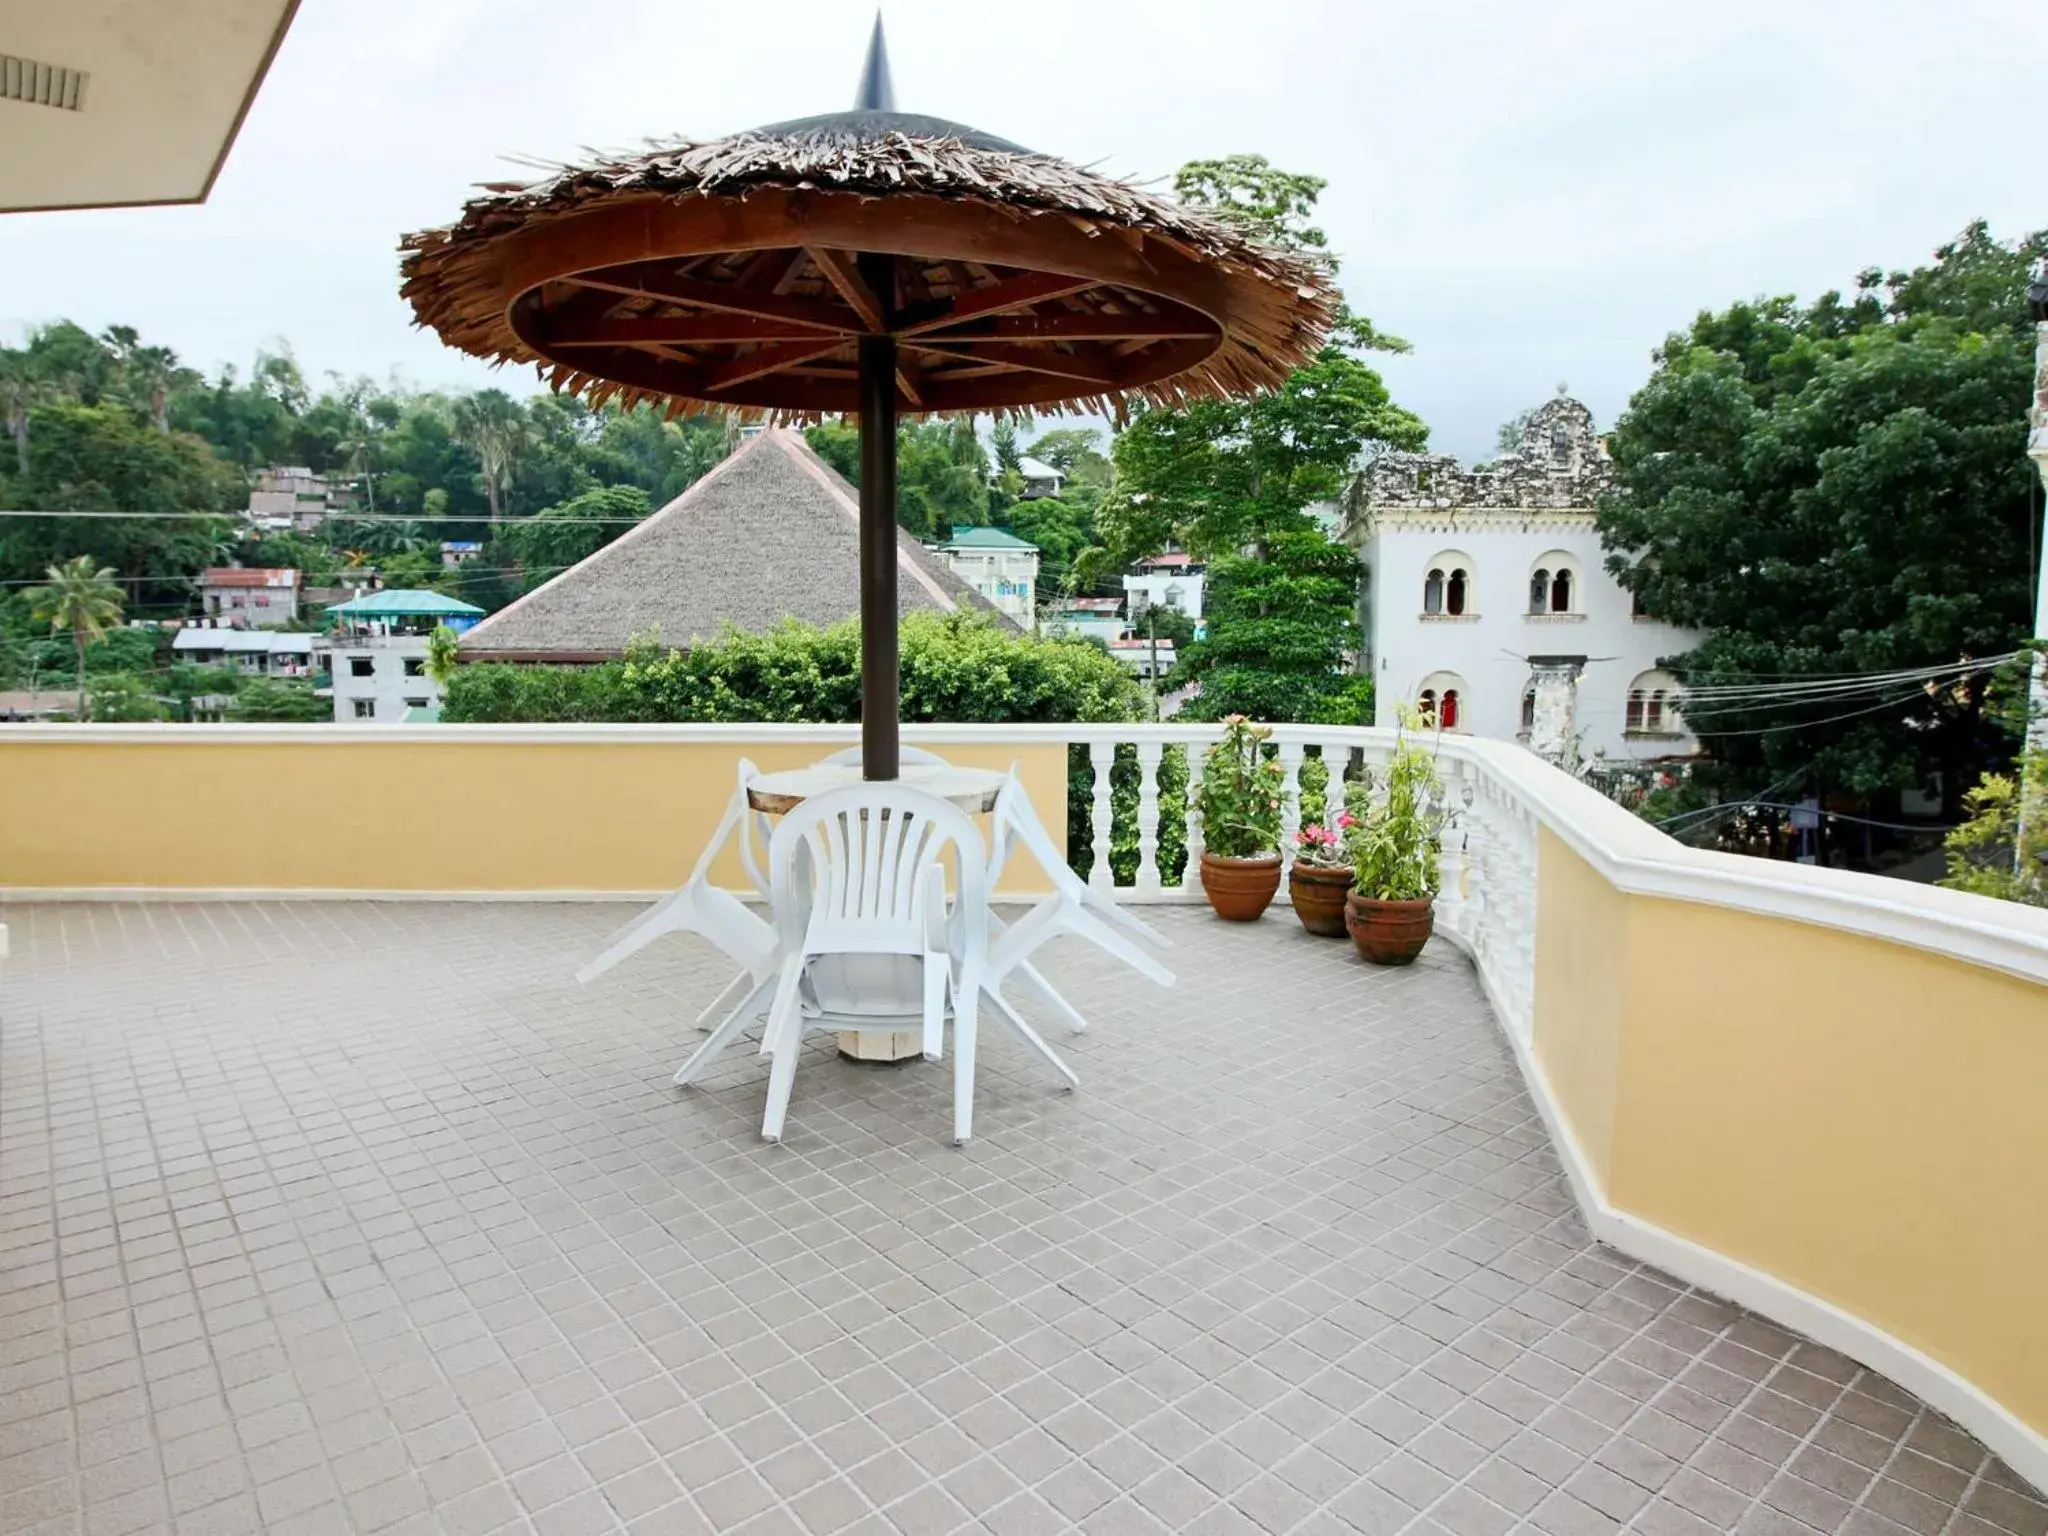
(974, 790)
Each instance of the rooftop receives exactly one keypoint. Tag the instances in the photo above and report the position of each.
(269, 641)
(771, 533)
(404, 603)
(986, 538)
(363, 1215)
(248, 576)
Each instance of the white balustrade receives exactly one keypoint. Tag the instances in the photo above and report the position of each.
(1150, 754)
(1487, 901)
(1290, 753)
(1101, 757)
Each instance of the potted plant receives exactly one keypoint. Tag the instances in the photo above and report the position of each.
(1240, 799)
(1395, 841)
(1320, 877)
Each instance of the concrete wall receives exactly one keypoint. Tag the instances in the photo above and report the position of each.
(435, 809)
(1860, 1121)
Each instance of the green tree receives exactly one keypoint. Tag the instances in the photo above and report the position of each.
(941, 472)
(279, 699)
(1280, 632)
(23, 387)
(493, 427)
(1221, 476)
(558, 537)
(101, 458)
(121, 698)
(83, 599)
(1075, 452)
(1817, 487)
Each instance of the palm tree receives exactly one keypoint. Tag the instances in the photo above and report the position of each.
(22, 389)
(153, 372)
(83, 598)
(492, 426)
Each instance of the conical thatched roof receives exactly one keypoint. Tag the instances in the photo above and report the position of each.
(725, 275)
(770, 533)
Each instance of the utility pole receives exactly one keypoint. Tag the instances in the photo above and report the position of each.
(2036, 738)
(1152, 624)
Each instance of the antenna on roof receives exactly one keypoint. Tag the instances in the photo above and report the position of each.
(876, 93)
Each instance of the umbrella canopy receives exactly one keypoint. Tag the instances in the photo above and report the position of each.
(870, 262)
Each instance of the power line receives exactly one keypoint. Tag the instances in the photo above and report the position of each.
(347, 517)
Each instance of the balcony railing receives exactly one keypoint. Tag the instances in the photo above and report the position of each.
(1817, 1093)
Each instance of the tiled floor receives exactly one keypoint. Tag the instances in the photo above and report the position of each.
(366, 1218)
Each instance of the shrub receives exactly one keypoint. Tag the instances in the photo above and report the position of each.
(958, 667)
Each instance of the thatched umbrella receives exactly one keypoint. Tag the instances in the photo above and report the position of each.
(871, 262)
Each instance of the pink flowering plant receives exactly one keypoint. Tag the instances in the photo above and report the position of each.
(1321, 846)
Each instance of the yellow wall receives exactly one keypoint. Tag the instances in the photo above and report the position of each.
(334, 813)
(1862, 1120)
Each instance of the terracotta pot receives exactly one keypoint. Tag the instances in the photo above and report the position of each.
(1318, 892)
(1240, 889)
(1388, 932)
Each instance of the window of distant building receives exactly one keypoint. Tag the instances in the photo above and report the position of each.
(1442, 701)
(362, 666)
(366, 709)
(415, 666)
(1447, 589)
(1554, 584)
(1652, 705)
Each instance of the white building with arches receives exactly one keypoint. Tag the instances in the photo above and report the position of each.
(1487, 602)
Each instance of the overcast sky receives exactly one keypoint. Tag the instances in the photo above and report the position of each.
(1531, 194)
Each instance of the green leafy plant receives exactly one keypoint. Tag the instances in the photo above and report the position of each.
(1243, 791)
(1982, 852)
(442, 646)
(1395, 833)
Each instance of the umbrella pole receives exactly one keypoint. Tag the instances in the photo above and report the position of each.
(879, 660)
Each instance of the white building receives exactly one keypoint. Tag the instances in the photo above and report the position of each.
(1140, 655)
(250, 596)
(1087, 618)
(380, 652)
(1486, 590)
(1000, 566)
(258, 652)
(1172, 580)
(1040, 478)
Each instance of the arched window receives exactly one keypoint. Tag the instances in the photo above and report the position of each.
(1443, 701)
(1554, 583)
(1653, 705)
(1447, 589)
(1529, 709)
(1173, 598)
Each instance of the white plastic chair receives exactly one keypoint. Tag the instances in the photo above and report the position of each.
(699, 907)
(1074, 907)
(913, 755)
(857, 878)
